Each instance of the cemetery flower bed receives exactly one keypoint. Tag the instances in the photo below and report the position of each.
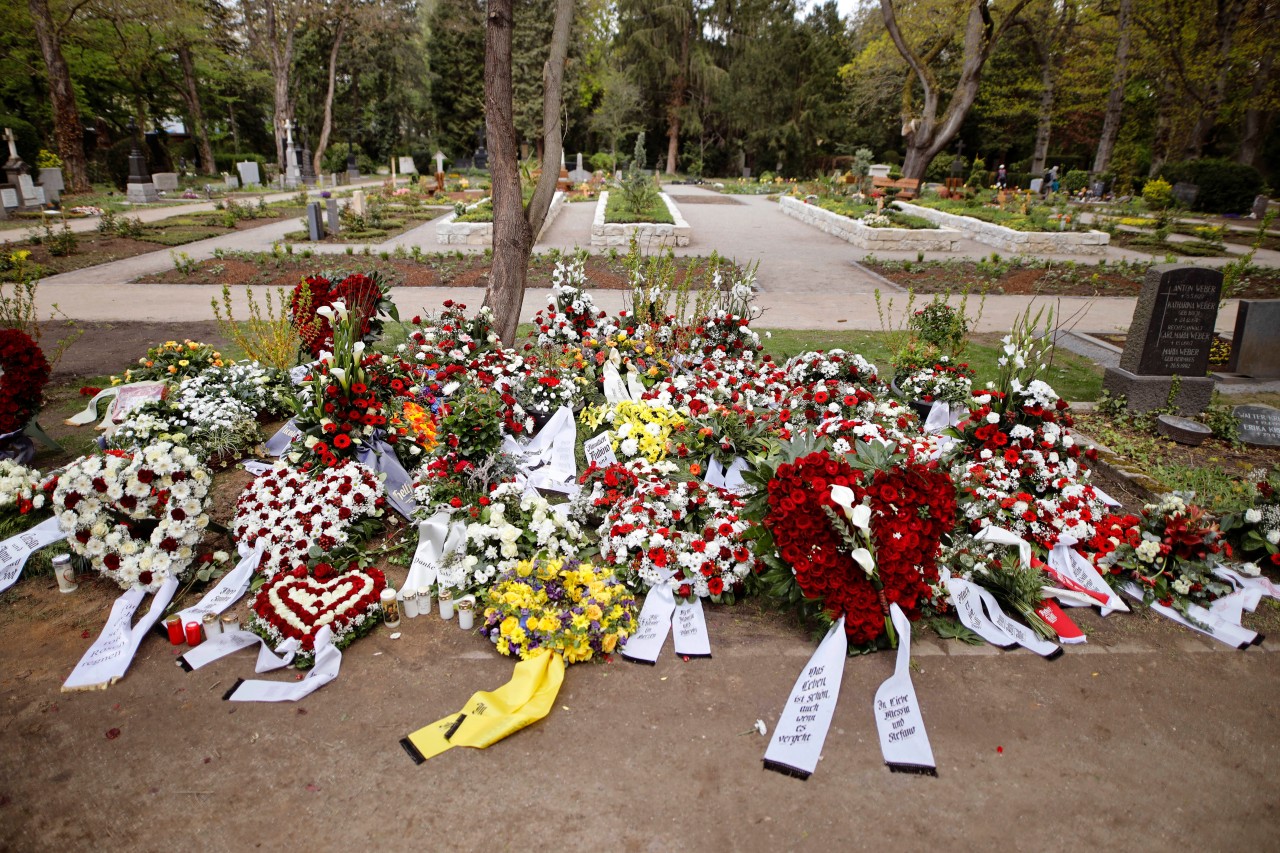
(1008, 230)
(895, 231)
(617, 211)
(866, 213)
(604, 232)
(1028, 276)
(392, 226)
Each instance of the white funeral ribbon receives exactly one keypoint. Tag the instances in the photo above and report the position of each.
(1260, 584)
(15, 550)
(634, 385)
(438, 538)
(614, 390)
(654, 624)
(1211, 624)
(298, 375)
(1068, 565)
(90, 413)
(599, 450)
(256, 468)
(107, 660)
(279, 443)
(230, 642)
(964, 597)
(231, 587)
(802, 727)
(729, 479)
(1000, 536)
(690, 630)
(547, 461)
(1019, 633)
(328, 662)
(1104, 497)
(903, 740)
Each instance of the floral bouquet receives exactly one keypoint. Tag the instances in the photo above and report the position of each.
(1169, 552)
(1255, 532)
(571, 316)
(571, 608)
(547, 386)
(451, 337)
(636, 429)
(297, 604)
(365, 297)
(25, 373)
(24, 492)
(136, 517)
(172, 361)
(944, 381)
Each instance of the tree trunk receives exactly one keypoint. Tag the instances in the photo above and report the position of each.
(1207, 117)
(1160, 142)
(327, 126)
(677, 104)
(1257, 122)
(1115, 99)
(195, 112)
(66, 116)
(1045, 125)
(552, 142)
(512, 238)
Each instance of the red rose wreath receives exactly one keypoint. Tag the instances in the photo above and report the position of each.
(912, 505)
(26, 371)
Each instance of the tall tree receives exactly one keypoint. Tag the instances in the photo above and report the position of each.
(66, 115)
(514, 225)
(1049, 44)
(340, 12)
(1115, 97)
(925, 133)
(269, 26)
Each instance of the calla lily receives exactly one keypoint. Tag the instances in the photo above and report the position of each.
(858, 514)
(358, 349)
(325, 311)
(339, 374)
(863, 558)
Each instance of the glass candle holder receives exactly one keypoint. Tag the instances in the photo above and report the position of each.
(466, 615)
(446, 604)
(390, 608)
(410, 604)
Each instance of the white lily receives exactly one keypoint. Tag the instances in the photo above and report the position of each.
(863, 558)
(325, 311)
(859, 514)
(357, 349)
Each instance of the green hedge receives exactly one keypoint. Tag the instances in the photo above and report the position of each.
(1225, 186)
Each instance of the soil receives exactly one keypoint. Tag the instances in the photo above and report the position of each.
(1132, 240)
(433, 270)
(410, 221)
(93, 248)
(1232, 461)
(632, 758)
(1063, 280)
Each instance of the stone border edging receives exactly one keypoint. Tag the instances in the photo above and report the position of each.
(1020, 242)
(620, 233)
(864, 236)
(452, 233)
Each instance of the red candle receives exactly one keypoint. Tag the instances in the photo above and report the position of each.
(193, 634)
(174, 624)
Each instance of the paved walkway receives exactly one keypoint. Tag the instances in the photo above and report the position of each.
(807, 279)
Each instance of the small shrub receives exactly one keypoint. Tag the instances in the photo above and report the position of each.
(1225, 186)
(1158, 194)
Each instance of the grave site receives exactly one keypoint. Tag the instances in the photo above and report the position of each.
(463, 428)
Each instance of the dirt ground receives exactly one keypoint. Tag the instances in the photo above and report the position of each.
(1146, 737)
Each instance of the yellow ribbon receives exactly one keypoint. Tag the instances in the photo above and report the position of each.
(489, 716)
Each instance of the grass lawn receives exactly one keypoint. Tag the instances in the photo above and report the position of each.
(618, 211)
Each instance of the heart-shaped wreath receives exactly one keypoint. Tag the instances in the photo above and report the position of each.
(136, 517)
(295, 604)
(803, 543)
(292, 511)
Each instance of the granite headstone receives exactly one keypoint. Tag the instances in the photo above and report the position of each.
(1259, 425)
(9, 198)
(1185, 193)
(1172, 330)
(357, 202)
(1255, 345)
(331, 214)
(1260, 205)
(249, 174)
(879, 170)
(315, 222)
(165, 181)
(407, 166)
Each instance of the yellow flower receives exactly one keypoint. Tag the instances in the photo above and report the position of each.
(580, 622)
(593, 612)
(524, 568)
(609, 643)
(184, 363)
(549, 624)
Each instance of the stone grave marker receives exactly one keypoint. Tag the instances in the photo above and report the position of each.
(232, 182)
(32, 196)
(331, 213)
(579, 175)
(1259, 425)
(166, 181)
(879, 170)
(249, 173)
(407, 166)
(52, 182)
(357, 202)
(1260, 204)
(315, 222)
(9, 198)
(1097, 189)
(1037, 184)
(1255, 345)
(1172, 329)
(1185, 193)
(139, 189)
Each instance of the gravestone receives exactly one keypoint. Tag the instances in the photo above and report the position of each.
(1185, 193)
(357, 202)
(315, 222)
(579, 175)
(1172, 329)
(407, 166)
(1259, 425)
(1260, 204)
(1255, 344)
(331, 214)
(1097, 189)
(52, 182)
(292, 170)
(308, 168)
(165, 181)
(31, 200)
(13, 166)
(232, 182)
(140, 189)
(1037, 184)
(9, 198)
(249, 174)
(879, 170)
(439, 156)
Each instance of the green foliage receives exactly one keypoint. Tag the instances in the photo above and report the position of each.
(1075, 180)
(1158, 194)
(1225, 185)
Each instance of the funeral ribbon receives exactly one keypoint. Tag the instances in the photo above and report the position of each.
(903, 740)
(229, 642)
(490, 716)
(379, 457)
(328, 661)
(547, 460)
(438, 538)
(659, 615)
(1202, 619)
(90, 413)
(231, 587)
(15, 550)
(1073, 571)
(107, 660)
(802, 727)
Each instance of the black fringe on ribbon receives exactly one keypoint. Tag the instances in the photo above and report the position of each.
(640, 660)
(186, 667)
(161, 629)
(227, 696)
(918, 769)
(701, 657)
(1055, 654)
(454, 727)
(1257, 641)
(787, 770)
(412, 750)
